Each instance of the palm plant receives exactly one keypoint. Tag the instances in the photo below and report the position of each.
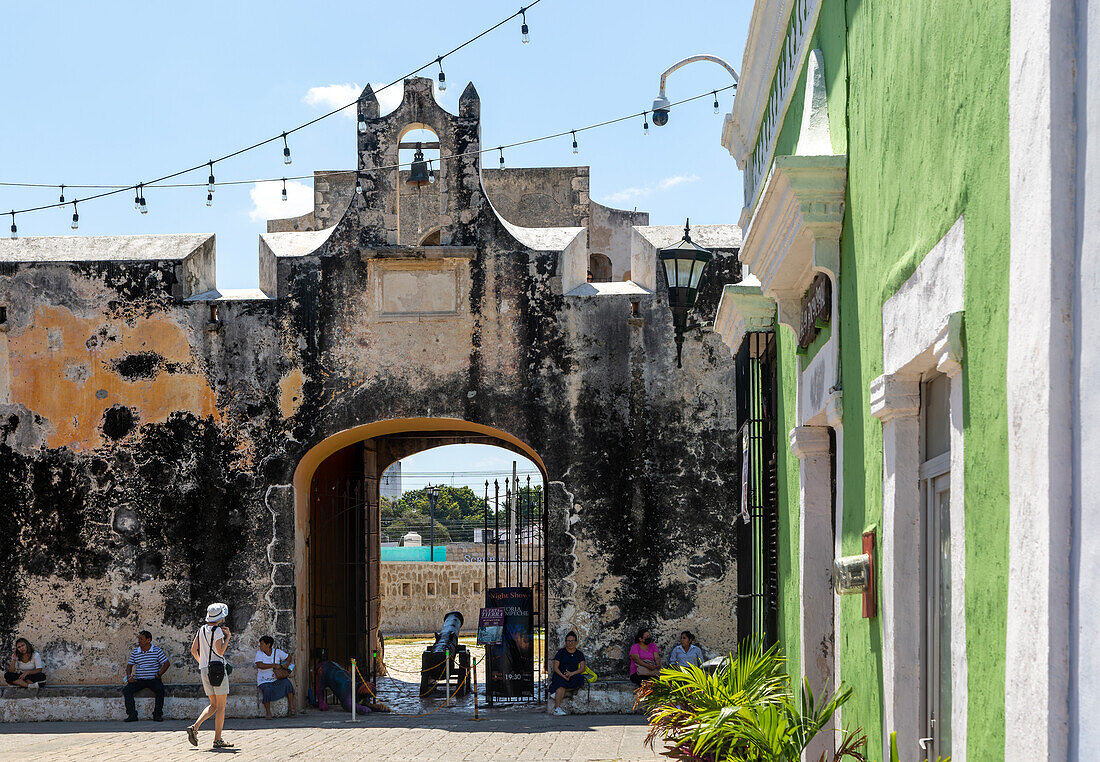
(744, 712)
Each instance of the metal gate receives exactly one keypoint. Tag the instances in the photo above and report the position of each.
(339, 617)
(515, 545)
(757, 516)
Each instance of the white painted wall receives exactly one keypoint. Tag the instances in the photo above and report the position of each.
(1085, 645)
(1041, 348)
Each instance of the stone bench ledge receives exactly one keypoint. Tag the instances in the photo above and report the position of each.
(171, 690)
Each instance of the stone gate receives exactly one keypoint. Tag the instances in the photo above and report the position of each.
(158, 436)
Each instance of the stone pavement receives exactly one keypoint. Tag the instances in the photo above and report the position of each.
(510, 735)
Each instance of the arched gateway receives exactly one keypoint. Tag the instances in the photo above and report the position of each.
(159, 436)
(337, 537)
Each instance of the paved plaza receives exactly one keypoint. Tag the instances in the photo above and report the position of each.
(448, 732)
(510, 735)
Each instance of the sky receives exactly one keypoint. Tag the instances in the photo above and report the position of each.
(118, 93)
(466, 465)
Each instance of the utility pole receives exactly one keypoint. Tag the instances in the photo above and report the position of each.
(512, 522)
(433, 495)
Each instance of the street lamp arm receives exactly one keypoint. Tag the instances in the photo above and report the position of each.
(693, 59)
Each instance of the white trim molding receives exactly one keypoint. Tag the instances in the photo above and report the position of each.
(1046, 133)
(922, 334)
(741, 310)
(895, 400)
(810, 444)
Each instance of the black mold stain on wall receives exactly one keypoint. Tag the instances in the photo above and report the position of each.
(640, 456)
(118, 421)
(141, 365)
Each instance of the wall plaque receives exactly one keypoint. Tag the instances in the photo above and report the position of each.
(419, 290)
(817, 309)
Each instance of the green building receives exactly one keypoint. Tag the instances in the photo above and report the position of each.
(921, 223)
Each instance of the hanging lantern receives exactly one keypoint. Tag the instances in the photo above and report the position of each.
(418, 175)
(684, 265)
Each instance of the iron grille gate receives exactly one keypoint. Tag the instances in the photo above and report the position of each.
(758, 517)
(516, 519)
(339, 616)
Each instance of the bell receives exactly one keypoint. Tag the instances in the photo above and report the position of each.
(418, 175)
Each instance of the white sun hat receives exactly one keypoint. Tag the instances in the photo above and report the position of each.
(215, 612)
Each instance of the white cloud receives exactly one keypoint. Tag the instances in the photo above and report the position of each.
(626, 194)
(672, 182)
(334, 96)
(268, 204)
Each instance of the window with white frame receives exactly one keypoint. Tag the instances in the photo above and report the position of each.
(935, 501)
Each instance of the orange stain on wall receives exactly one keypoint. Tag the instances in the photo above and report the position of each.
(61, 368)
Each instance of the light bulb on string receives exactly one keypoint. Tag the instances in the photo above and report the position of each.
(61, 199)
(284, 189)
(715, 101)
(523, 27)
(14, 230)
(286, 150)
(501, 149)
(210, 180)
(431, 172)
(76, 218)
(576, 150)
(645, 122)
(144, 208)
(137, 199)
(442, 77)
(209, 199)
(358, 187)
(362, 123)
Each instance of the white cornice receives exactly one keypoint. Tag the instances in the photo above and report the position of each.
(795, 229)
(741, 310)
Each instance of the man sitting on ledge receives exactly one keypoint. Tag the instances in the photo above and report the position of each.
(143, 670)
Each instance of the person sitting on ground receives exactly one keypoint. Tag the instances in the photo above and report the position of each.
(26, 666)
(329, 674)
(644, 661)
(568, 674)
(273, 676)
(686, 652)
(143, 670)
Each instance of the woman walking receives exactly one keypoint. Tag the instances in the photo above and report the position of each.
(208, 648)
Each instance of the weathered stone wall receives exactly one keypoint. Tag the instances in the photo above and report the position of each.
(551, 197)
(609, 234)
(148, 445)
(417, 595)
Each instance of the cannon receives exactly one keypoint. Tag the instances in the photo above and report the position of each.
(443, 655)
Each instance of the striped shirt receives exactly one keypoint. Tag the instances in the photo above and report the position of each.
(147, 663)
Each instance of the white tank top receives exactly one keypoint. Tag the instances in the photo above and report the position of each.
(204, 644)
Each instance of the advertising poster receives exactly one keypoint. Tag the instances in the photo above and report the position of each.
(490, 627)
(512, 662)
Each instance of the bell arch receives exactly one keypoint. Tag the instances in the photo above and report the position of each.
(419, 177)
(457, 190)
(383, 443)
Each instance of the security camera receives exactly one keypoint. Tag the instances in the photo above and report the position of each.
(660, 110)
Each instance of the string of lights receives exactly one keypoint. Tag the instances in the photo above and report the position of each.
(210, 184)
(138, 188)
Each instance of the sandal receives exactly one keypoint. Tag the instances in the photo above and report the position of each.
(221, 743)
(192, 735)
